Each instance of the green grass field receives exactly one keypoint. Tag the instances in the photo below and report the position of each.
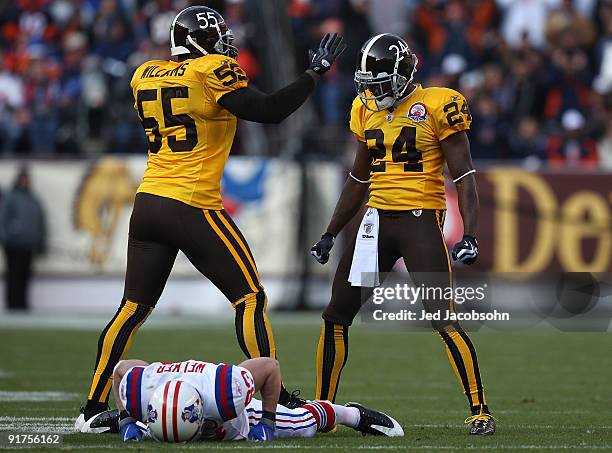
(550, 390)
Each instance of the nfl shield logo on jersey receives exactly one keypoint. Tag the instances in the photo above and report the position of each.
(417, 112)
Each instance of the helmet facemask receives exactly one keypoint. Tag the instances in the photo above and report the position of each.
(384, 89)
(225, 44)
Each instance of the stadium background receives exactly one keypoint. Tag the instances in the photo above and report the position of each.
(538, 77)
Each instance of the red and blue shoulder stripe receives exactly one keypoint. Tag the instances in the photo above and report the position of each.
(133, 392)
(224, 396)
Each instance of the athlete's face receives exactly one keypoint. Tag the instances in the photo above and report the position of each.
(381, 89)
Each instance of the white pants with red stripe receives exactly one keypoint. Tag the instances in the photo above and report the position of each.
(301, 422)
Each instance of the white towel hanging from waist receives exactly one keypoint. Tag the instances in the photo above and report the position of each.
(364, 268)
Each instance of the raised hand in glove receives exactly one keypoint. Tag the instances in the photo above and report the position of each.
(331, 46)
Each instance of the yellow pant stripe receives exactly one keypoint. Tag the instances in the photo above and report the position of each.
(472, 370)
(454, 365)
(248, 325)
(440, 218)
(107, 389)
(338, 360)
(469, 367)
(128, 310)
(331, 358)
(108, 386)
(465, 364)
(440, 215)
(319, 364)
(239, 240)
(232, 250)
(269, 332)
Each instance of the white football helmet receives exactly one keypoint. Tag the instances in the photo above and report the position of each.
(175, 412)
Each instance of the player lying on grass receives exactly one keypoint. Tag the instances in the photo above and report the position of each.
(196, 400)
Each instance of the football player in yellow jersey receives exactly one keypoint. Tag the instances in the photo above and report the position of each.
(188, 109)
(405, 134)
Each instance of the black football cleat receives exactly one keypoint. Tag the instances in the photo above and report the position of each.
(483, 424)
(293, 400)
(104, 422)
(376, 423)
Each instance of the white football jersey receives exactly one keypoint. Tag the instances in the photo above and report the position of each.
(226, 390)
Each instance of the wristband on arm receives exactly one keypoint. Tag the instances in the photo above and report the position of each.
(125, 418)
(269, 418)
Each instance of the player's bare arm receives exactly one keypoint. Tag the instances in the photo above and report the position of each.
(456, 149)
(128, 429)
(267, 377)
(351, 199)
(251, 104)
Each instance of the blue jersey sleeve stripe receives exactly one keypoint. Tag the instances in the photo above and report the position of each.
(224, 397)
(133, 385)
(139, 394)
(218, 392)
(230, 394)
(128, 393)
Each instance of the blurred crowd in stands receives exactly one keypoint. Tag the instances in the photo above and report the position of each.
(537, 73)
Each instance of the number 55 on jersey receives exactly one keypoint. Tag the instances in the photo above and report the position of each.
(178, 101)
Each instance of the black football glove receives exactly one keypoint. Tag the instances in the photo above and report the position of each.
(321, 60)
(466, 250)
(322, 248)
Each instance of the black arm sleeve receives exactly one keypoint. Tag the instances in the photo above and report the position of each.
(253, 105)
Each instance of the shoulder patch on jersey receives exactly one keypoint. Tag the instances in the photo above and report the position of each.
(417, 112)
(455, 97)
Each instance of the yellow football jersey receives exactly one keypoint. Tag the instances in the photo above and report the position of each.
(408, 165)
(190, 134)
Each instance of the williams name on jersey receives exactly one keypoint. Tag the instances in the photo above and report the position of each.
(190, 134)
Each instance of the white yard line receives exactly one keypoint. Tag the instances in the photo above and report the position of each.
(40, 429)
(7, 418)
(6, 395)
(51, 425)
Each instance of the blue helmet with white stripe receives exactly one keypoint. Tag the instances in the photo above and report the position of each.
(385, 69)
